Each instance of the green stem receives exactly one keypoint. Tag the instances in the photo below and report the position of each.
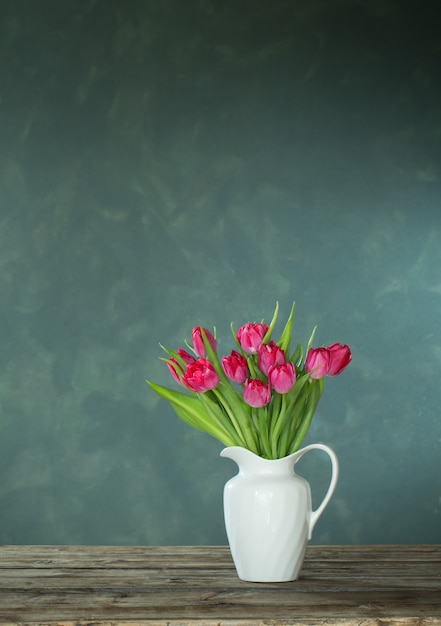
(241, 426)
(262, 415)
(294, 416)
(314, 397)
(291, 415)
(229, 414)
(275, 411)
(255, 423)
(219, 416)
(230, 400)
(298, 393)
(242, 413)
(276, 429)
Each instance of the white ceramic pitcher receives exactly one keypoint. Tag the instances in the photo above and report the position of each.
(268, 513)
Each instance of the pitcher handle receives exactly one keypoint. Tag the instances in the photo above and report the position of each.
(332, 485)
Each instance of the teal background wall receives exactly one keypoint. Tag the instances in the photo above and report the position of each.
(168, 163)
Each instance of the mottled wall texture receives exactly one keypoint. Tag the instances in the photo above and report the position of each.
(170, 163)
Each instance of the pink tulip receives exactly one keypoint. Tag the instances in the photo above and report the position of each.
(235, 367)
(186, 356)
(256, 393)
(282, 378)
(198, 342)
(250, 336)
(200, 376)
(340, 358)
(269, 354)
(317, 362)
(175, 369)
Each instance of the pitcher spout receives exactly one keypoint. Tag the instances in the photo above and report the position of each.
(249, 461)
(242, 456)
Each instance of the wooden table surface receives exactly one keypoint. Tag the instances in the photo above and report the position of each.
(96, 586)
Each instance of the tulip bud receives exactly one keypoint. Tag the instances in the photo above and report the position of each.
(250, 336)
(340, 358)
(256, 393)
(186, 356)
(317, 362)
(269, 354)
(200, 376)
(235, 367)
(175, 369)
(198, 341)
(282, 378)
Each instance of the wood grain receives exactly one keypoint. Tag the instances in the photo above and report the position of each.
(137, 586)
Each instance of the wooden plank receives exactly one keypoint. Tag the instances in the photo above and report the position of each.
(190, 605)
(117, 607)
(198, 556)
(99, 557)
(77, 585)
(333, 580)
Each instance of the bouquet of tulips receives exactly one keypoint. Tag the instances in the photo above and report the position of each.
(261, 396)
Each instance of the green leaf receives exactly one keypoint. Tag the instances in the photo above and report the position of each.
(311, 339)
(272, 324)
(191, 410)
(235, 336)
(285, 339)
(297, 355)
